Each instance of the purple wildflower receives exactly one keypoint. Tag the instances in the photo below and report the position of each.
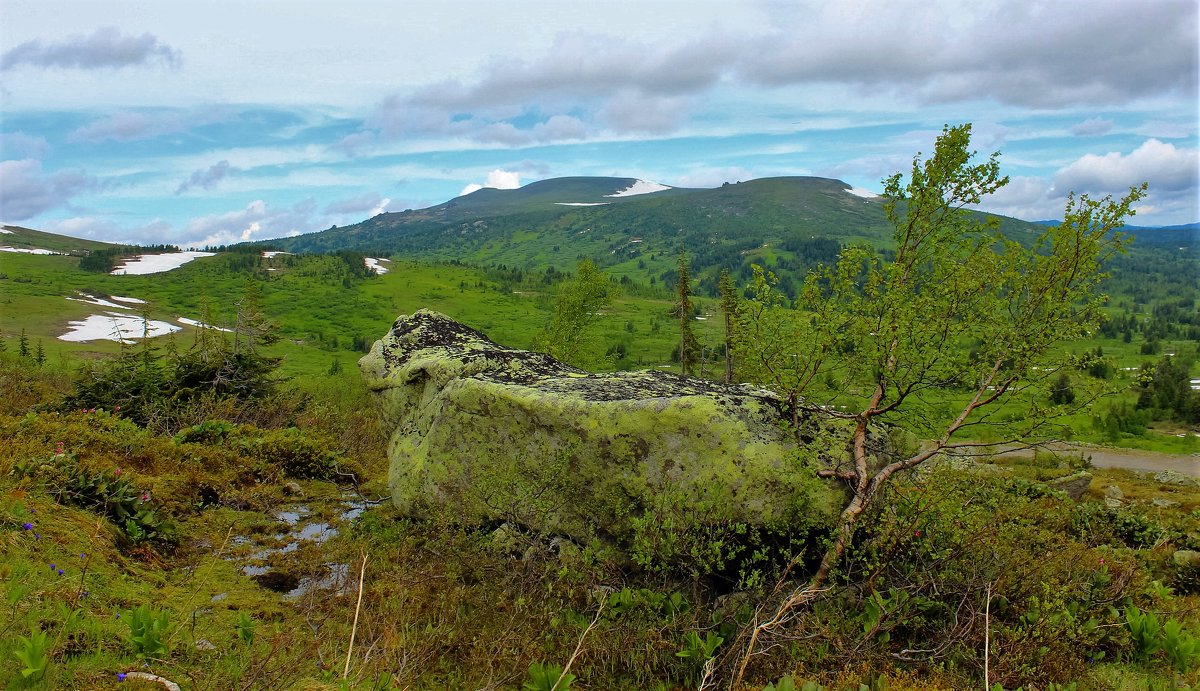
(120, 676)
(27, 526)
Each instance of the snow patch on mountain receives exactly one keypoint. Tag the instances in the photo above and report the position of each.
(640, 187)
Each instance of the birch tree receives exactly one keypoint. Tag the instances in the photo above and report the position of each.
(954, 330)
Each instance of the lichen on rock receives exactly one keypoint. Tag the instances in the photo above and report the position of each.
(499, 434)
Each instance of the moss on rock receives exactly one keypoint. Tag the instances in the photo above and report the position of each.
(498, 434)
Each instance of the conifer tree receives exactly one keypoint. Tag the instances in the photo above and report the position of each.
(689, 347)
(729, 308)
(23, 344)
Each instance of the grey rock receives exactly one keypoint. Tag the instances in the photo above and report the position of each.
(1074, 485)
(1165, 503)
(293, 489)
(1114, 492)
(1171, 477)
(499, 434)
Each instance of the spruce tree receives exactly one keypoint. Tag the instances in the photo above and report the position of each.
(729, 308)
(23, 344)
(689, 347)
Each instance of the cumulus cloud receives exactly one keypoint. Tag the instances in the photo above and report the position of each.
(1164, 166)
(26, 192)
(1171, 172)
(105, 48)
(257, 221)
(206, 178)
(499, 179)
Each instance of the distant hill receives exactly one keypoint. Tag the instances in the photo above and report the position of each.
(1180, 236)
(786, 223)
(29, 239)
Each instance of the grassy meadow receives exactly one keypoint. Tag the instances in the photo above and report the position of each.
(251, 544)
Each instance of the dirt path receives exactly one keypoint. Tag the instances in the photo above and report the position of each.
(1129, 459)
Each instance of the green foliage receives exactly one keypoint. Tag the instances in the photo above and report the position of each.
(697, 651)
(288, 451)
(578, 305)
(689, 347)
(148, 628)
(547, 677)
(787, 683)
(106, 492)
(244, 626)
(32, 655)
(1061, 392)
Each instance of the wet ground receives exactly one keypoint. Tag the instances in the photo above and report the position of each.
(273, 557)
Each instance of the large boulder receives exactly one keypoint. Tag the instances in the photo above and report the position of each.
(496, 434)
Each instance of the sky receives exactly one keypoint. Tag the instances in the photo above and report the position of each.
(204, 123)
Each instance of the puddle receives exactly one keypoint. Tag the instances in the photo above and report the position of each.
(333, 579)
(298, 527)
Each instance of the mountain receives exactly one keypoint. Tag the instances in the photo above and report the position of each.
(785, 223)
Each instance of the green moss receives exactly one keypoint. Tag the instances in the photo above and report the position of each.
(493, 434)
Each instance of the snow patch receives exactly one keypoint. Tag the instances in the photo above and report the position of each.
(584, 203)
(156, 263)
(272, 253)
(640, 187)
(200, 325)
(374, 265)
(135, 301)
(860, 192)
(22, 250)
(115, 327)
(6, 231)
(99, 302)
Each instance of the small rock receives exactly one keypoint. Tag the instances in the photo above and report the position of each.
(1171, 477)
(1114, 492)
(293, 489)
(1186, 557)
(1112, 503)
(1074, 485)
(204, 644)
(1165, 503)
(218, 597)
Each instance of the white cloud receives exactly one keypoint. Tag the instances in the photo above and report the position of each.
(206, 178)
(26, 192)
(132, 126)
(1161, 164)
(104, 48)
(1092, 127)
(712, 177)
(16, 145)
(499, 179)
(256, 221)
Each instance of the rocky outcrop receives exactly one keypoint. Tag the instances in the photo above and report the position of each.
(1074, 485)
(498, 434)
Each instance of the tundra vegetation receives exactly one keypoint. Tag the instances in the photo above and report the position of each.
(136, 491)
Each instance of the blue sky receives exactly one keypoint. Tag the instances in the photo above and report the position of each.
(205, 123)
